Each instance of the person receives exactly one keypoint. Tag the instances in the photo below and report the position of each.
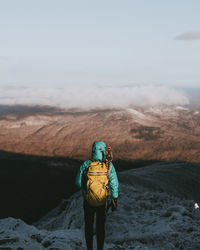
(90, 200)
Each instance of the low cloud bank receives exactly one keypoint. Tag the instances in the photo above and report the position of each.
(83, 96)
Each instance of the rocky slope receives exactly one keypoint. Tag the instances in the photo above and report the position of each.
(156, 210)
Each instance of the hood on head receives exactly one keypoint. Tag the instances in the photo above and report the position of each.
(98, 151)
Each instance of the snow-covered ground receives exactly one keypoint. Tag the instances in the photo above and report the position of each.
(137, 113)
(156, 210)
(38, 120)
(182, 108)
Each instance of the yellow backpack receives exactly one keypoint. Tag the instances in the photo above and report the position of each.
(96, 188)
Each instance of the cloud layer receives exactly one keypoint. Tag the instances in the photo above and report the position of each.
(91, 96)
(192, 35)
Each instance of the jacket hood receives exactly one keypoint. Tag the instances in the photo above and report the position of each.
(98, 151)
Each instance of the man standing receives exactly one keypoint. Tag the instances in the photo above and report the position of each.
(98, 179)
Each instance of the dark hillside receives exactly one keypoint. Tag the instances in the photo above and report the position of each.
(30, 186)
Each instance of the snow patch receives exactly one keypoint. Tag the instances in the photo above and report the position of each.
(182, 108)
(15, 234)
(137, 113)
(28, 121)
(154, 110)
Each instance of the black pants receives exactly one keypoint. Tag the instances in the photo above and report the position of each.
(89, 225)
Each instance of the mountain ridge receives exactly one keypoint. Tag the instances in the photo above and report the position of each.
(153, 133)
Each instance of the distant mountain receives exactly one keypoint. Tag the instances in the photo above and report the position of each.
(137, 133)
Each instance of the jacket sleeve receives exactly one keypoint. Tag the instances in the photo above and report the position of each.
(80, 173)
(113, 181)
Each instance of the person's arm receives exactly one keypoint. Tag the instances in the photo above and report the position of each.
(113, 182)
(80, 173)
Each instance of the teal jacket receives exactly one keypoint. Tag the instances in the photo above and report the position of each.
(98, 154)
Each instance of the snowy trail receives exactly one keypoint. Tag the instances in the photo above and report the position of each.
(146, 218)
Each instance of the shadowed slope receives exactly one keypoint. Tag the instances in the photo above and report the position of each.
(181, 179)
(30, 186)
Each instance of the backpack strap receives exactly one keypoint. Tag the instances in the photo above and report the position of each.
(109, 158)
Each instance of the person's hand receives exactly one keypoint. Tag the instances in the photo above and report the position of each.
(114, 204)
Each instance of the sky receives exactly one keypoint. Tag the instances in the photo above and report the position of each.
(100, 42)
(48, 47)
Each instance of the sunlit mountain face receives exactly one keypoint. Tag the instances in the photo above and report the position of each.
(159, 132)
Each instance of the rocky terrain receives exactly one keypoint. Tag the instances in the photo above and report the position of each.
(157, 209)
(138, 133)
